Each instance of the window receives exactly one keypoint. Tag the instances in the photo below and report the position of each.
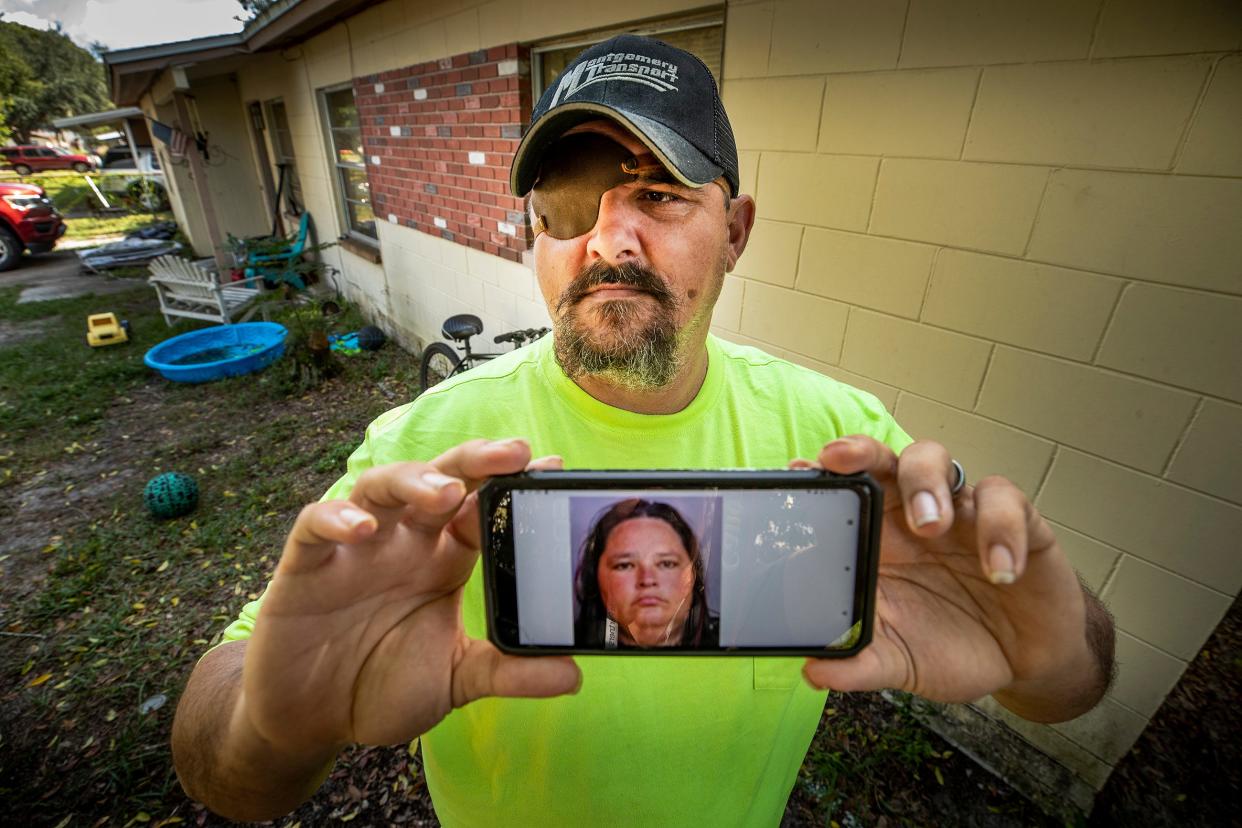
(701, 35)
(282, 156)
(345, 141)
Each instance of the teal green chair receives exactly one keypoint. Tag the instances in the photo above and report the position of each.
(275, 268)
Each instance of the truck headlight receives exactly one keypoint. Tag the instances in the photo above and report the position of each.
(25, 202)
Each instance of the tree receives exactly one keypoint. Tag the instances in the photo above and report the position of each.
(254, 8)
(45, 75)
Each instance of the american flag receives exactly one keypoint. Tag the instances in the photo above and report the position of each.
(176, 140)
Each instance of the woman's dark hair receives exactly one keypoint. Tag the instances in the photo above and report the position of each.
(589, 628)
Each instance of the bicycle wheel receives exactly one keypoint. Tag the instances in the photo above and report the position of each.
(439, 362)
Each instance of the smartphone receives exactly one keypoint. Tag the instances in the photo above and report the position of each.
(681, 562)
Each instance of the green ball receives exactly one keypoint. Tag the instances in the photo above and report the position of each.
(171, 495)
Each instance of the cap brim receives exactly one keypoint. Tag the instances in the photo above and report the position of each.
(683, 159)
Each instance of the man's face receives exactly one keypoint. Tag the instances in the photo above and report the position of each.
(630, 296)
(646, 580)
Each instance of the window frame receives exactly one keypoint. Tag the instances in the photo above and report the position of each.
(653, 28)
(335, 165)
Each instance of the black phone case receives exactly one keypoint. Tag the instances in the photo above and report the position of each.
(499, 571)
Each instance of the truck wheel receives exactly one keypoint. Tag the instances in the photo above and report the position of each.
(10, 249)
(21, 169)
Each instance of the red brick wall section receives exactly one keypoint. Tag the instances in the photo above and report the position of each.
(439, 138)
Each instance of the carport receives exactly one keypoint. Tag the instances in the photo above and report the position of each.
(129, 120)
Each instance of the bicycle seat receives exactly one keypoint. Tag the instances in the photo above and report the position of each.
(461, 327)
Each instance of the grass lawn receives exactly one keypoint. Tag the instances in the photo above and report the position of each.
(105, 608)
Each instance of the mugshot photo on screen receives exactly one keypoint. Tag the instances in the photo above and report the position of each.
(646, 570)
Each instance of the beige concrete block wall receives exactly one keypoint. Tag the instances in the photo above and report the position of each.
(1028, 215)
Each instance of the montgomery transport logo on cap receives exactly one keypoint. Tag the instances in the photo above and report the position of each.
(621, 66)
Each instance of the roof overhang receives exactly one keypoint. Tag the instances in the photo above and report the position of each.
(110, 116)
(131, 72)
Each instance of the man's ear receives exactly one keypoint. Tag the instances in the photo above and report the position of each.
(740, 218)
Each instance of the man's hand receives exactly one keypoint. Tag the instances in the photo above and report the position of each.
(975, 595)
(360, 637)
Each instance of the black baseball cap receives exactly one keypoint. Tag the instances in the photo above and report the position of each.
(666, 96)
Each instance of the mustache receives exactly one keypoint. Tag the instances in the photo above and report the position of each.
(631, 275)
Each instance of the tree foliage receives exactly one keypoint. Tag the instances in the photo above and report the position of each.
(44, 75)
(253, 8)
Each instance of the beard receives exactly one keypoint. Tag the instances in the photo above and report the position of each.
(633, 342)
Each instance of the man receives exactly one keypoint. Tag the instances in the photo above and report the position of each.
(373, 631)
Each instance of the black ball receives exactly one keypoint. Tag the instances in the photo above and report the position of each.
(371, 338)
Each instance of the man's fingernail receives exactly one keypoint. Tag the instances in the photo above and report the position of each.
(926, 509)
(354, 517)
(438, 481)
(1000, 564)
(512, 441)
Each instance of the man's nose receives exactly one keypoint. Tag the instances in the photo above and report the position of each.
(646, 574)
(614, 239)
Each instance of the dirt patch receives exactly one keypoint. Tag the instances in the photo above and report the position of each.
(11, 333)
(1186, 768)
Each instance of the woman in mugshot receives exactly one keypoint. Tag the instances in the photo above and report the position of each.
(642, 581)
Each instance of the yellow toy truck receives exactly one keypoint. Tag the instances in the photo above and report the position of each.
(103, 329)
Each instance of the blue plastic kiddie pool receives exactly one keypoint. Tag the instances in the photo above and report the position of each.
(218, 352)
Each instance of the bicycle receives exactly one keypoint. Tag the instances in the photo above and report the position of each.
(441, 362)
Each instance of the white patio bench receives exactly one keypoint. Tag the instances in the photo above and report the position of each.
(186, 289)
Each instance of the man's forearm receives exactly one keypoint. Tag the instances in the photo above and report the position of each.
(1077, 685)
(222, 761)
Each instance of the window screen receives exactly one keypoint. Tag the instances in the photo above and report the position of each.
(353, 187)
(701, 36)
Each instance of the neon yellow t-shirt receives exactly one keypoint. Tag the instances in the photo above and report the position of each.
(647, 741)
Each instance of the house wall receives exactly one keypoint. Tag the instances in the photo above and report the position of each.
(423, 278)
(232, 178)
(158, 105)
(418, 121)
(1016, 224)
(231, 174)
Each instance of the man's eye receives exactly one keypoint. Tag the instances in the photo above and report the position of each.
(622, 565)
(661, 197)
(669, 564)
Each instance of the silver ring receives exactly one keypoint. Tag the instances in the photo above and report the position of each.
(960, 482)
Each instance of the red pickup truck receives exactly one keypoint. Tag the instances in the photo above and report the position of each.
(28, 221)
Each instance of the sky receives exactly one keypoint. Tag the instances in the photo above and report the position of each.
(122, 24)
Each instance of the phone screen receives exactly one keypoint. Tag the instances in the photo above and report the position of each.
(713, 569)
